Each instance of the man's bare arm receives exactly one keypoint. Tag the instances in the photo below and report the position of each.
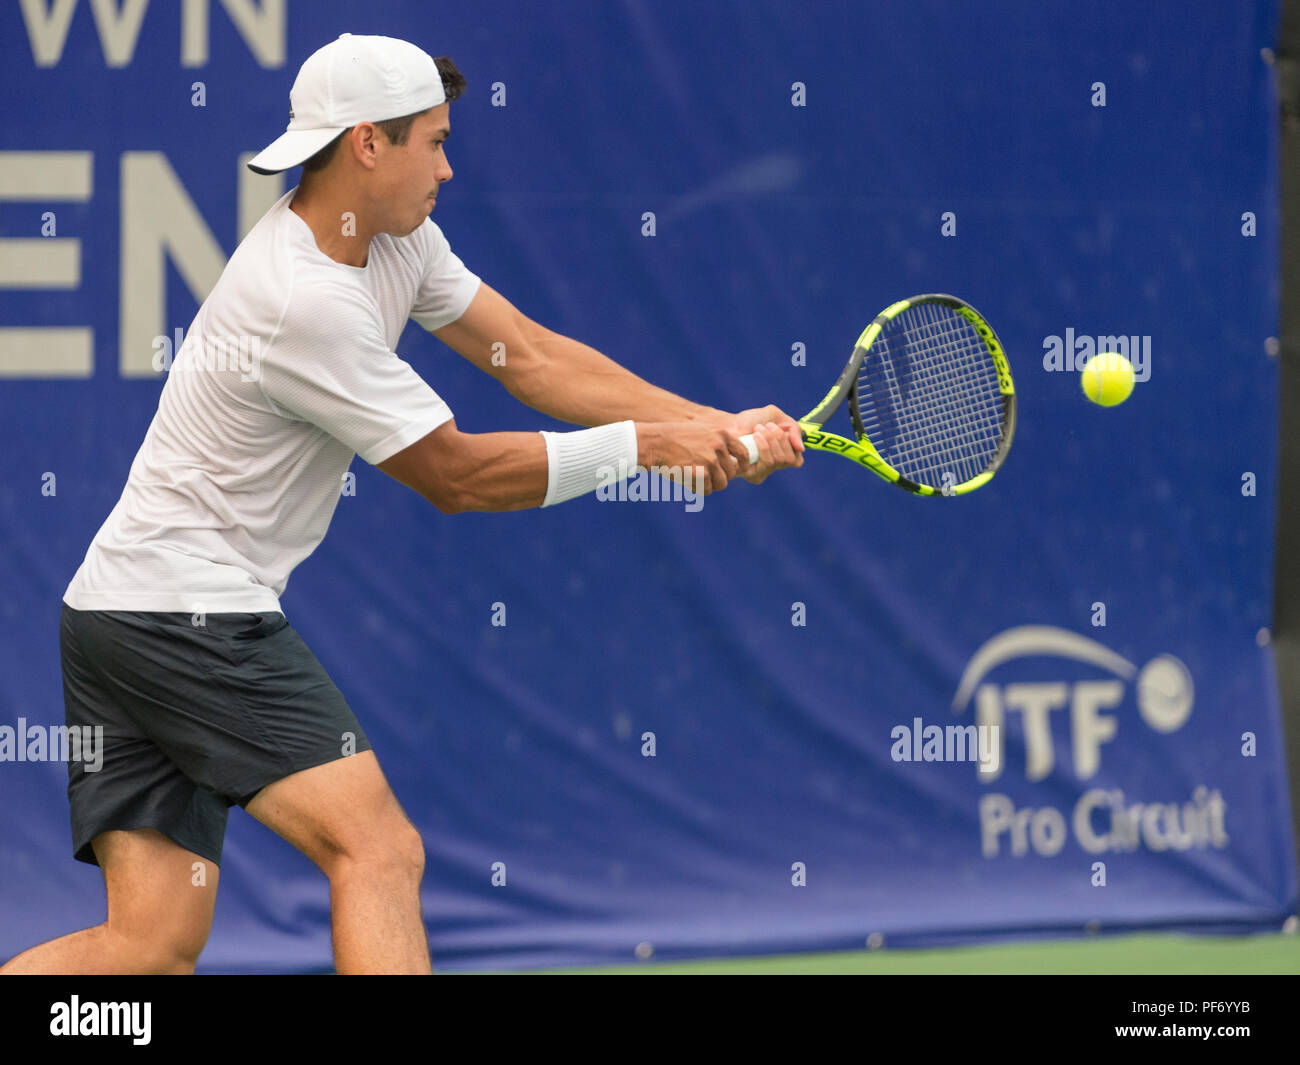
(575, 383)
(561, 377)
(458, 471)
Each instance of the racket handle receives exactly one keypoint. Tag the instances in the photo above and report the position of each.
(748, 441)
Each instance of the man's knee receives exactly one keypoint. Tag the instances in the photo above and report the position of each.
(344, 816)
(165, 958)
(158, 915)
(394, 851)
(162, 940)
(158, 953)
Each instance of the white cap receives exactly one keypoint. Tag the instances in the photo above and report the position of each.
(354, 79)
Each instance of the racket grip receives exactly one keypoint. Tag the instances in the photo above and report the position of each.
(748, 441)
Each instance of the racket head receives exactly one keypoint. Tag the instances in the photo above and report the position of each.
(931, 397)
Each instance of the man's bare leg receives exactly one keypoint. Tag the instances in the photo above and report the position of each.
(158, 916)
(345, 818)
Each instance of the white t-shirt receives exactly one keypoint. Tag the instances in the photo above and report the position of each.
(288, 370)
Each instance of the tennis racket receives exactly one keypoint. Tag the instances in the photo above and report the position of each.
(930, 397)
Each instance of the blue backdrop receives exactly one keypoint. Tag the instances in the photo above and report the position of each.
(652, 747)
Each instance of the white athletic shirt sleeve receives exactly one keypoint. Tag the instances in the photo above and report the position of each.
(448, 287)
(287, 372)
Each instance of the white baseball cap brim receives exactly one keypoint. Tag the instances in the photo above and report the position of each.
(292, 147)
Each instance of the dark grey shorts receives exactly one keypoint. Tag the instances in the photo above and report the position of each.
(196, 719)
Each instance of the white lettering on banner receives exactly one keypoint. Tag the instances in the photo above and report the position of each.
(1165, 695)
(159, 221)
(1103, 820)
(34, 350)
(118, 22)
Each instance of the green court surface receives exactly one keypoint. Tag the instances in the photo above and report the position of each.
(1129, 955)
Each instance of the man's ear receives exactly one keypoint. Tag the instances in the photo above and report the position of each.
(363, 138)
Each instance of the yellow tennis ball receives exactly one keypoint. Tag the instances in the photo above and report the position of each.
(1108, 378)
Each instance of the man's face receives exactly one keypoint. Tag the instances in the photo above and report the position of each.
(409, 175)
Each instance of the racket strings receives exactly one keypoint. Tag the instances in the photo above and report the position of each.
(928, 397)
(929, 432)
(933, 428)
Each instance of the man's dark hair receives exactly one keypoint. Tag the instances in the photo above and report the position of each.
(395, 129)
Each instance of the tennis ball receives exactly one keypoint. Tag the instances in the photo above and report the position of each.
(1108, 378)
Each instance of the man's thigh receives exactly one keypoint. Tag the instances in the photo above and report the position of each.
(159, 893)
(343, 809)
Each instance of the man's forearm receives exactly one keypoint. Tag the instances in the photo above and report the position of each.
(575, 383)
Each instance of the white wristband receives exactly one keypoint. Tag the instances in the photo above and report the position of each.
(581, 461)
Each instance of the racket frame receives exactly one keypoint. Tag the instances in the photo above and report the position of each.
(861, 450)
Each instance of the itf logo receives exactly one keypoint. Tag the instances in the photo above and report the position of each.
(1103, 819)
(1164, 696)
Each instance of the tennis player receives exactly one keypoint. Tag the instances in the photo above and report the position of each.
(172, 636)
